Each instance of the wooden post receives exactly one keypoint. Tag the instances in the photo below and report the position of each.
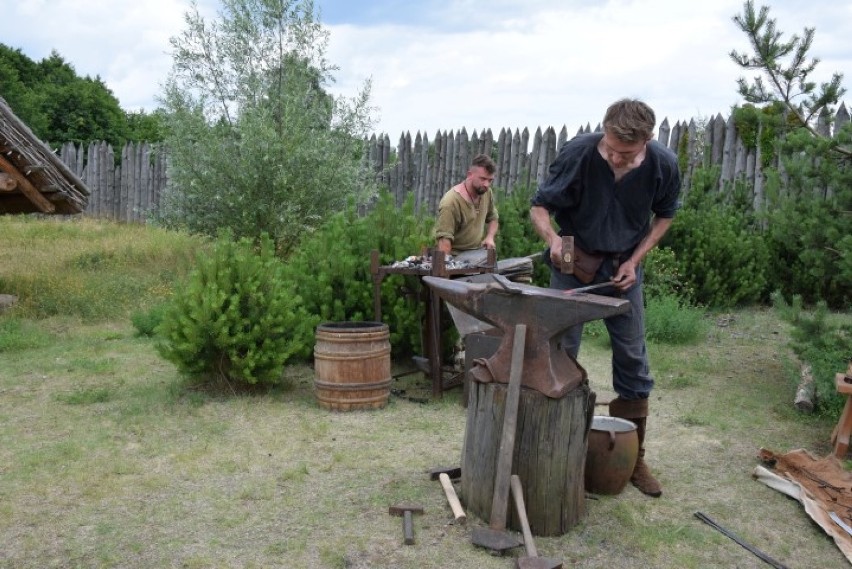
(549, 454)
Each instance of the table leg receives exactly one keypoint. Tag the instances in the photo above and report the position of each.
(377, 285)
(840, 436)
(433, 341)
(842, 432)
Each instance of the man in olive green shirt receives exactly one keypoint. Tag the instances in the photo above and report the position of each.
(467, 215)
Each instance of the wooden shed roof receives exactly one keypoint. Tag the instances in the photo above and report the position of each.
(32, 178)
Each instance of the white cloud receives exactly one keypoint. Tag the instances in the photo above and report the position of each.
(448, 64)
(124, 43)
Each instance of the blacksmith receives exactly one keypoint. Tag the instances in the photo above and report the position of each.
(467, 215)
(616, 193)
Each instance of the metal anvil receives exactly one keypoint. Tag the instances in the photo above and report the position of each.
(547, 313)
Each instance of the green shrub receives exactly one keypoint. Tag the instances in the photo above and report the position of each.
(236, 317)
(719, 249)
(812, 250)
(808, 218)
(724, 261)
(146, 321)
(822, 340)
(331, 270)
(662, 277)
(516, 237)
(670, 320)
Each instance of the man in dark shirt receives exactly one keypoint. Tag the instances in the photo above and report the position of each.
(616, 193)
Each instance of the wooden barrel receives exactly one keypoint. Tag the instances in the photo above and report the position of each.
(352, 367)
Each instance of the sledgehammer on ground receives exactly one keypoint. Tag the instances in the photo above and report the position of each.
(406, 511)
(532, 560)
(458, 513)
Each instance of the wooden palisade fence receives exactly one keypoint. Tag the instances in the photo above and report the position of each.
(130, 190)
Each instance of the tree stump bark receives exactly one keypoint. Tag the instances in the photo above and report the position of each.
(549, 454)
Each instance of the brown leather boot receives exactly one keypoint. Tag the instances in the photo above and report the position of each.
(636, 410)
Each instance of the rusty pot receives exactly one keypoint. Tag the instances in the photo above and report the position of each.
(611, 455)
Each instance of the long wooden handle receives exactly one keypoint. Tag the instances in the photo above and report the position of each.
(452, 498)
(518, 494)
(499, 504)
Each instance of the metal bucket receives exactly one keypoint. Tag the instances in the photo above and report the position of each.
(352, 367)
(611, 455)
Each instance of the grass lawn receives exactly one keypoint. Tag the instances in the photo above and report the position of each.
(110, 460)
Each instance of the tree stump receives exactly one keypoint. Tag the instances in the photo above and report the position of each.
(549, 454)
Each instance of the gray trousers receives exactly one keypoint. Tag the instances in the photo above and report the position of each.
(631, 375)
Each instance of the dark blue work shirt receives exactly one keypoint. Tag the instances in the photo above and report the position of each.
(603, 215)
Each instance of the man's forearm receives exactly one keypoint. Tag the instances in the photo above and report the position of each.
(445, 245)
(493, 226)
(540, 218)
(659, 227)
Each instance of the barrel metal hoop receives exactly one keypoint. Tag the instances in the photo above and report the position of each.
(352, 386)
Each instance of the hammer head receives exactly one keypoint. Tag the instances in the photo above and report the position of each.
(498, 541)
(451, 471)
(538, 563)
(566, 264)
(400, 509)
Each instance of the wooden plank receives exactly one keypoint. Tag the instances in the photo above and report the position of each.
(26, 188)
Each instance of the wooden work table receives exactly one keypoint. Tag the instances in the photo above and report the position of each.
(431, 326)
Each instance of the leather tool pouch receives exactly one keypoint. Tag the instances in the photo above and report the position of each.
(586, 265)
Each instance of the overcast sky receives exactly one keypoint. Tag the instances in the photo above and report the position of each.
(447, 64)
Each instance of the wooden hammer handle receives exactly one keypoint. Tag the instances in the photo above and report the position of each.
(505, 453)
(407, 528)
(521, 508)
(452, 498)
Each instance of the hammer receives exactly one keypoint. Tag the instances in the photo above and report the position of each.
(566, 264)
(458, 513)
(452, 471)
(532, 560)
(495, 537)
(406, 511)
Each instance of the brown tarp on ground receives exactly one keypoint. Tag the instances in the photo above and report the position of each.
(821, 485)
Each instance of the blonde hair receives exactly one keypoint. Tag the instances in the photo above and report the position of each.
(630, 120)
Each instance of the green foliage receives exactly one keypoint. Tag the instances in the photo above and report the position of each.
(724, 262)
(93, 270)
(236, 317)
(809, 200)
(662, 277)
(516, 237)
(17, 334)
(331, 270)
(256, 143)
(147, 321)
(760, 127)
(718, 250)
(808, 225)
(670, 320)
(821, 340)
(786, 65)
(59, 106)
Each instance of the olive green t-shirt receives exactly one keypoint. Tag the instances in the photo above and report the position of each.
(462, 223)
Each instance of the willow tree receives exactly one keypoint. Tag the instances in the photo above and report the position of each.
(256, 142)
